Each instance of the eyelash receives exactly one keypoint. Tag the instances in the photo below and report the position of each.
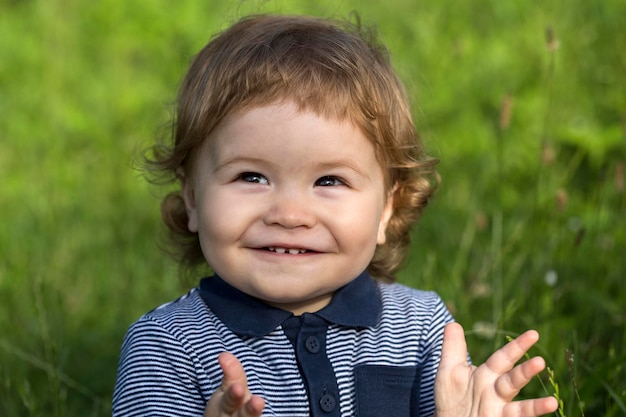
(253, 177)
(256, 178)
(335, 180)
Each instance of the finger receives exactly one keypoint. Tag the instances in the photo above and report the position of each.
(221, 406)
(505, 358)
(225, 403)
(454, 348)
(510, 384)
(233, 399)
(531, 408)
(233, 371)
(234, 383)
(254, 407)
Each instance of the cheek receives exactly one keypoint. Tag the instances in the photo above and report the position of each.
(214, 234)
(360, 227)
(223, 219)
(212, 218)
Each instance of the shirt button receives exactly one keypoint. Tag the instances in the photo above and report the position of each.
(328, 403)
(312, 344)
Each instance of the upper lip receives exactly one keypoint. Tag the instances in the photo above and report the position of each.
(286, 247)
(292, 251)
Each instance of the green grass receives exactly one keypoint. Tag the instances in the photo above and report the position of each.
(84, 85)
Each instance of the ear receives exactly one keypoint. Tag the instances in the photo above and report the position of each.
(385, 217)
(189, 198)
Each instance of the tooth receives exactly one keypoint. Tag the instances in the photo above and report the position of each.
(294, 251)
(280, 250)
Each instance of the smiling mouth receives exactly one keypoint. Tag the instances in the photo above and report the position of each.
(292, 251)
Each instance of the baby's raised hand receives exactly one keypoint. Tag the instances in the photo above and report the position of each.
(233, 398)
(462, 390)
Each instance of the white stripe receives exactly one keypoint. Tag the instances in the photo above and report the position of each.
(169, 356)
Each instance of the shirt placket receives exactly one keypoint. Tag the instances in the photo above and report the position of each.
(316, 368)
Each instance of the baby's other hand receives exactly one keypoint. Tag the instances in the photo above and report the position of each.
(233, 398)
(462, 390)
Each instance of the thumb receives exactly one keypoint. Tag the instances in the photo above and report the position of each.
(233, 372)
(454, 348)
(233, 393)
(234, 383)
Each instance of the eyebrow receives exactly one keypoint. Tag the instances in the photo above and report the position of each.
(339, 163)
(240, 159)
(344, 163)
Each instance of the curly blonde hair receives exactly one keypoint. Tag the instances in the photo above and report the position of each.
(335, 69)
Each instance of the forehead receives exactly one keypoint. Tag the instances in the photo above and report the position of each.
(256, 113)
(268, 126)
(287, 136)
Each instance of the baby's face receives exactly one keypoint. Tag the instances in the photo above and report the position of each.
(289, 206)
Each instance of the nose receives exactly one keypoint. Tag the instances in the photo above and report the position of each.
(290, 210)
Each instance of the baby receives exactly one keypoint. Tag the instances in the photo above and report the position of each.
(301, 175)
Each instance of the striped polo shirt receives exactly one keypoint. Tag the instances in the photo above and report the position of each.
(373, 351)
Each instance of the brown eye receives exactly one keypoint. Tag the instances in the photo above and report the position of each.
(253, 177)
(329, 181)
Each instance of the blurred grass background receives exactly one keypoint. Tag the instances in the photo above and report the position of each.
(524, 103)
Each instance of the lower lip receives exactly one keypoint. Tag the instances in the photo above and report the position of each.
(286, 254)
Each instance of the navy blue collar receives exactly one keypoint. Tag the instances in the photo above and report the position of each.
(357, 304)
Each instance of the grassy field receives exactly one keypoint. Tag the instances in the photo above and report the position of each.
(524, 103)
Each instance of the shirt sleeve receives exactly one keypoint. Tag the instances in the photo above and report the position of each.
(433, 339)
(156, 375)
